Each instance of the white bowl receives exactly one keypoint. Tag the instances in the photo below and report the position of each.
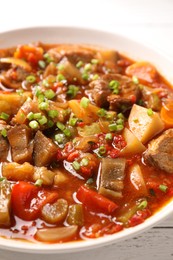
(131, 49)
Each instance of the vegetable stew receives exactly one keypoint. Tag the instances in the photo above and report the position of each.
(86, 141)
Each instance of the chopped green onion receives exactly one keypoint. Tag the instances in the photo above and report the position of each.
(102, 112)
(33, 124)
(59, 138)
(163, 188)
(2, 178)
(45, 83)
(37, 116)
(90, 181)
(43, 120)
(60, 77)
(73, 121)
(95, 76)
(87, 67)
(4, 132)
(31, 78)
(84, 162)
(72, 90)
(4, 116)
(113, 127)
(120, 127)
(76, 165)
(60, 66)
(85, 76)
(30, 116)
(116, 91)
(84, 102)
(79, 64)
(50, 123)
(114, 84)
(42, 64)
(52, 113)
(149, 111)
(43, 105)
(119, 121)
(49, 94)
(67, 132)
(60, 125)
(102, 150)
(135, 80)
(108, 136)
(40, 98)
(120, 115)
(110, 115)
(94, 61)
(143, 205)
(19, 92)
(38, 183)
(47, 58)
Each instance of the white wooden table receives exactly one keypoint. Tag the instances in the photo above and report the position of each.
(150, 21)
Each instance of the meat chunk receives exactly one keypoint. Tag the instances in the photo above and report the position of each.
(72, 53)
(100, 91)
(112, 176)
(129, 93)
(20, 139)
(4, 147)
(160, 152)
(103, 96)
(44, 150)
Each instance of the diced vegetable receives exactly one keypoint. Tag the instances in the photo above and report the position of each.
(75, 215)
(167, 113)
(5, 203)
(27, 200)
(44, 174)
(89, 130)
(143, 126)
(143, 70)
(56, 212)
(88, 115)
(18, 172)
(58, 234)
(137, 181)
(17, 62)
(133, 145)
(94, 201)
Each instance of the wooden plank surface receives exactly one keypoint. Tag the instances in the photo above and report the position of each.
(150, 21)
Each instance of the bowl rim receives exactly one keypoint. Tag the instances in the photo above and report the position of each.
(164, 212)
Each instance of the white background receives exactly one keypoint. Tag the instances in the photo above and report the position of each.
(149, 21)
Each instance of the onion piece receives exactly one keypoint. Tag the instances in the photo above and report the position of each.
(17, 62)
(56, 234)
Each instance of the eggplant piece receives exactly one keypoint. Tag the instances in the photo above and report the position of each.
(20, 139)
(75, 215)
(44, 150)
(112, 176)
(56, 212)
(5, 203)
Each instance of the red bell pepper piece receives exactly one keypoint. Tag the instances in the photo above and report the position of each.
(27, 200)
(94, 201)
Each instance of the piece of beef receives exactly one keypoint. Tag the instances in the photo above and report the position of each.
(112, 176)
(160, 152)
(72, 53)
(20, 139)
(44, 150)
(129, 92)
(99, 92)
(4, 147)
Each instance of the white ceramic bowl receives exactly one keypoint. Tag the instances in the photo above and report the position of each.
(131, 49)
